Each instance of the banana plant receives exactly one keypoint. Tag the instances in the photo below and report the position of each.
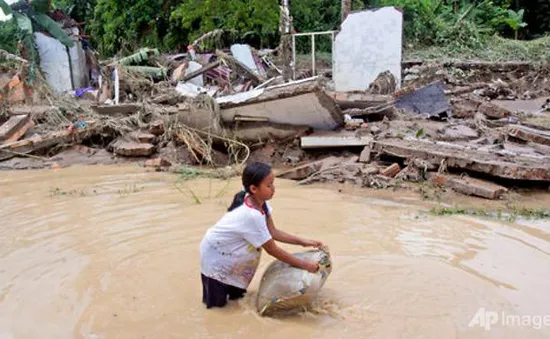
(515, 21)
(26, 13)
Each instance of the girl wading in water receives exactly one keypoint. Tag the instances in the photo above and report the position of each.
(231, 249)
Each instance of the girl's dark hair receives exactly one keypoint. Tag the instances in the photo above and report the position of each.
(253, 174)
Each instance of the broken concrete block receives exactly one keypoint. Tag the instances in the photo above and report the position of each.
(304, 171)
(459, 132)
(391, 171)
(365, 155)
(143, 137)
(158, 162)
(530, 134)
(125, 109)
(16, 125)
(463, 157)
(470, 186)
(375, 37)
(334, 139)
(429, 100)
(133, 149)
(301, 103)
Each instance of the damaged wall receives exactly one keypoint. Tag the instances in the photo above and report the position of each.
(369, 43)
(55, 63)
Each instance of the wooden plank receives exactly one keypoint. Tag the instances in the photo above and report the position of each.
(20, 132)
(12, 126)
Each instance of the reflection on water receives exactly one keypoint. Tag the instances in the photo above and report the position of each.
(112, 252)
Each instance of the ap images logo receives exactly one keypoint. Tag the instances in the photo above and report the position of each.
(487, 319)
(484, 318)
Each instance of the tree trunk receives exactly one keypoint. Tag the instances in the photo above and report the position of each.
(346, 9)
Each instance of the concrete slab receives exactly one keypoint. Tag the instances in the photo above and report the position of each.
(334, 139)
(314, 109)
(369, 43)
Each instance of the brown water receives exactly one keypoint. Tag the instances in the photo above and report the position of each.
(110, 252)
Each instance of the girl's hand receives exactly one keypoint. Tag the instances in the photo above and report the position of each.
(312, 243)
(312, 267)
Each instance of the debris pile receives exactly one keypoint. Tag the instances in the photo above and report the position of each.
(219, 107)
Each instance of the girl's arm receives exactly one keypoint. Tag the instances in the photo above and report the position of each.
(289, 238)
(274, 250)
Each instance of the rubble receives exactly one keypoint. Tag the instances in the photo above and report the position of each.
(470, 186)
(229, 106)
(465, 158)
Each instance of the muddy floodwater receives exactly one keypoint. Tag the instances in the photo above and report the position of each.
(112, 252)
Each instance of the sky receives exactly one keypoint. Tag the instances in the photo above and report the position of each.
(2, 16)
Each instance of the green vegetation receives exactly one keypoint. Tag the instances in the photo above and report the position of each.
(481, 29)
(510, 214)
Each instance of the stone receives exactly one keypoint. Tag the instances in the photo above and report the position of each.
(375, 37)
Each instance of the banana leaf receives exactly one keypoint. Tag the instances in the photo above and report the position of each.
(5, 7)
(54, 29)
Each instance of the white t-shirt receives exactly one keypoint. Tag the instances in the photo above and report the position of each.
(231, 249)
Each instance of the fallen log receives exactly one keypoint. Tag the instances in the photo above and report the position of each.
(460, 157)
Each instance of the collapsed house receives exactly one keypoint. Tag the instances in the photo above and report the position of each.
(372, 120)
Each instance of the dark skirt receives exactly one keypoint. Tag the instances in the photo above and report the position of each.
(216, 293)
